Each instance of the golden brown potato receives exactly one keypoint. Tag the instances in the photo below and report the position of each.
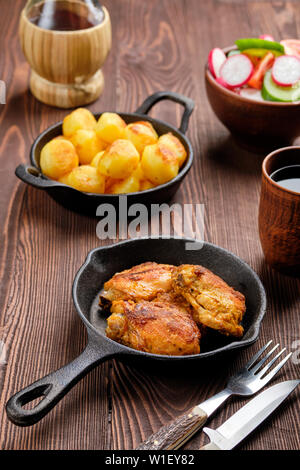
(80, 118)
(85, 178)
(173, 143)
(138, 172)
(128, 185)
(87, 145)
(119, 160)
(131, 184)
(109, 182)
(96, 159)
(141, 133)
(110, 127)
(159, 164)
(58, 157)
(65, 179)
(140, 176)
(146, 184)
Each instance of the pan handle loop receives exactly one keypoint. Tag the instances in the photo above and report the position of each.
(53, 387)
(188, 104)
(31, 175)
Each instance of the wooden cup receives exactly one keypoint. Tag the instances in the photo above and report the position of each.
(279, 214)
(66, 65)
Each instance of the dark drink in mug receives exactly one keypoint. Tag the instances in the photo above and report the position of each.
(64, 15)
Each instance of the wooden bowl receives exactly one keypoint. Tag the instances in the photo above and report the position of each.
(279, 214)
(74, 78)
(255, 124)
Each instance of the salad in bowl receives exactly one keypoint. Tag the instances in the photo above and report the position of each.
(260, 68)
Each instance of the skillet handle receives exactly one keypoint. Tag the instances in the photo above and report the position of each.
(53, 387)
(188, 104)
(30, 175)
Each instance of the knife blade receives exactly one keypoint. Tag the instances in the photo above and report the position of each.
(247, 418)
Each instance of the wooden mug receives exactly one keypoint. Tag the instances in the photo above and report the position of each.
(279, 214)
(65, 65)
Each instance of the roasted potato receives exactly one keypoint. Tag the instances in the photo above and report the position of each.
(146, 184)
(65, 179)
(85, 178)
(140, 176)
(141, 133)
(109, 182)
(96, 159)
(58, 157)
(109, 156)
(110, 127)
(138, 172)
(127, 185)
(80, 118)
(159, 164)
(87, 145)
(173, 143)
(119, 160)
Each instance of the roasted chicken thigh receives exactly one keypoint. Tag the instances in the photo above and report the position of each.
(160, 326)
(164, 309)
(214, 303)
(142, 282)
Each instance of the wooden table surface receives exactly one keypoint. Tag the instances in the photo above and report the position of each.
(157, 45)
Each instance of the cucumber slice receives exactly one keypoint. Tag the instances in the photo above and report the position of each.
(273, 92)
(234, 52)
(255, 43)
(261, 52)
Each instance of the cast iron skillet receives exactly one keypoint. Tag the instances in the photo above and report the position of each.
(100, 265)
(87, 203)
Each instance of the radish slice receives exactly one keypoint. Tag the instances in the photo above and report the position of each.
(251, 94)
(236, 70)
(221, 82)
(266, 37)
(286, 70)
(216, 58)
(291, 46)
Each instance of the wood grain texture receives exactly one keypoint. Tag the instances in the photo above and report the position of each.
(157, 45)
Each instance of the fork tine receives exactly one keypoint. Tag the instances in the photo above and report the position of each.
(256, 356)
(260, 363)
(263, 371)
(271, 374)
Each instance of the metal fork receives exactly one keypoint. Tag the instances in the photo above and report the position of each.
(245, 382)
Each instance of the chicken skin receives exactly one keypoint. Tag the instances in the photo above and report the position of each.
(215, 304)
(161, 326)
(165, 309)
(142, 282)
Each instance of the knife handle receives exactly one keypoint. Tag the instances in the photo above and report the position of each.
(175, 434)
(210, 446)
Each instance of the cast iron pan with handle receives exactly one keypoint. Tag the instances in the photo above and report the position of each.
(101, 264)
(87, 203)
